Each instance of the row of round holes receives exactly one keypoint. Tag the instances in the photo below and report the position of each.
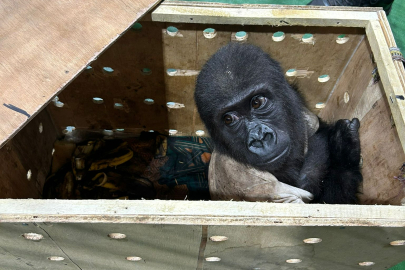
(216, 238)
(307, 241)
(144, 71)
(210, 33)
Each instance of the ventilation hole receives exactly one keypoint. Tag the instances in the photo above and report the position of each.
(218, 238)
(366, 263)
(29, 175)
(342, 39)
(320, 105)
(98, 100)
(148, 101)
(346, 97)
(401, 97)
(278, 36)
(57, 103)
(68, 129)
(291, 72)
(134, 259)
(398, 243)
(117, 236)
(307, 38)
(136, 26)
(294, 261)
(323, 78)
(392, 100)
(56, 258)
(212, 259)
(108, 132)
(118, 106)
(172, 131)
(171, 71)
(174, 105)
(200, 132)
(312, 240)
(33, 236)
(108, 69)
(172, 31)
(146, 71)
(241, 35)
(40, 128)
(209, 33)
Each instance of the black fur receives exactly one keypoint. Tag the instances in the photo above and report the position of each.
(271, 137)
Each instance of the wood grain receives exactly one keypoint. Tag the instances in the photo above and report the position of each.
(29, 150)
(219, 13)
(200, 213)
(44, 46)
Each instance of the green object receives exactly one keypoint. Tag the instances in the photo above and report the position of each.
(400, 266)
(108, 69)
(291, 70)
(306, 36)
(137, 26)
(240, 34)
(323, 76)
(278, 34)
(172, 29)
(146, 71)
(209, 30)
(341, 36)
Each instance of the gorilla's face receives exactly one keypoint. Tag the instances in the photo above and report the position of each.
(243, 99)
(253, 127)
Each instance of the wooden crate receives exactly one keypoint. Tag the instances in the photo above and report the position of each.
(47, 50)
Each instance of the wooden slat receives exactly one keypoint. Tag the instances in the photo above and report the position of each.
(200, 213)
(212, 13)
(389, 75)
(45, 45)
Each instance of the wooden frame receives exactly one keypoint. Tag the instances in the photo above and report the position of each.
(200, 213)
(226, 213)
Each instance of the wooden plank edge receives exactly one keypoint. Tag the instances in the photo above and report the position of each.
(199, 213)
(389, 37)
(265, 6)
(265, 15)
(4, 141)
(390, 78)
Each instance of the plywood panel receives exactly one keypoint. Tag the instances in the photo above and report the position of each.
(271, 247)
(382, 157)
(381, 148)
(44, 46)
(87, 246)
(127, 84)
(30, 150)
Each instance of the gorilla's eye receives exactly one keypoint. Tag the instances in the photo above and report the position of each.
(229, 118)
(258, 101)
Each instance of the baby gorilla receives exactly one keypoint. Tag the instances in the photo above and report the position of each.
(254, 116)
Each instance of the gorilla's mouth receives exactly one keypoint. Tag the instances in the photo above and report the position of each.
(256, 143)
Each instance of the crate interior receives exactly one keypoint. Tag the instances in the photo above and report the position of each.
(140, 65)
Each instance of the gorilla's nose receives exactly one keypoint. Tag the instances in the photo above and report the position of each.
(260, 136)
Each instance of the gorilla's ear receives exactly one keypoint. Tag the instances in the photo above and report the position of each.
(311, 122)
